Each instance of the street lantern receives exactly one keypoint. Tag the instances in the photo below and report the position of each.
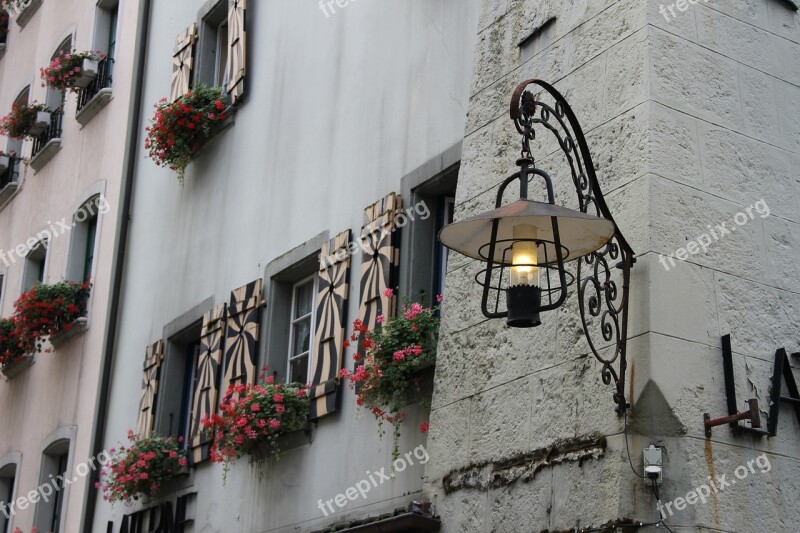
(526, 244)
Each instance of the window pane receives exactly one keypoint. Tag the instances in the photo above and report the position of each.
(302, 336)
(304, 296)
(222, 55)
(299, 370)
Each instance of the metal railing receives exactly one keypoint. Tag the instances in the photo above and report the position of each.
(11, 174)
(101, 81)
(53, 131)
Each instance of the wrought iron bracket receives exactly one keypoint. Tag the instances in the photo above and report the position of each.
(603, 305)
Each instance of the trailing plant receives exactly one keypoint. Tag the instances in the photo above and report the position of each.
(66, 68)
(16, 124)
(388, 361)
(252, 417)
(11, 350)
(142, 468)
(178, 129)
(48, 309)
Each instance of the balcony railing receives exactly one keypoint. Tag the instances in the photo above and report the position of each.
(11, 174)
(53, 131)
(101, 81)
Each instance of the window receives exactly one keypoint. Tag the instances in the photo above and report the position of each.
(83, 242)
(55, 462)
(424, 257)
(178, 374)
(292, 293)
(301, 330)
(8, 479)
(15, 145)
(55, 97)
(213, 47)
(4, 20)
(35, 263)
(2, 293)
(105, 36)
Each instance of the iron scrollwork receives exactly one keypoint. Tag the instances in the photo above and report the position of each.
(603, 306)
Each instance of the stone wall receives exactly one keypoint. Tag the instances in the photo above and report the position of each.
(691, 120)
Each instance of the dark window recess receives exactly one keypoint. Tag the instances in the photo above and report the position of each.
(10, 175)
(212, 51)
(4, 20)
(34, 266)
(425, 263)
(178, 377)
(102, 81)
(53, 131)
(55, 522)
(55, 461)
(8, 476)
(91, 235)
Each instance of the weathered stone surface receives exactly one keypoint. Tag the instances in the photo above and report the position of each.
(787, 97)
(626, 82)
(782, 242)
(674, 147)
(448, 440)
(695, 80)
(759, 318)
(521, 507)
(501, 428)
(753, 12)
(684, 24)
(759, 106)
(783, 21)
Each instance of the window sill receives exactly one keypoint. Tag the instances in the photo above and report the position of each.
(46, 154)
(12, 370)
(28, 12)
(93, 107)
(230, 111)
(78, 326)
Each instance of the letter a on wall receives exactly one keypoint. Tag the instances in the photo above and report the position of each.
(331, 314)
(241, 341)
(206, 387)
(149, 393)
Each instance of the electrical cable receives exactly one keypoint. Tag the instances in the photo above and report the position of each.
(630, 462)
(660, 514)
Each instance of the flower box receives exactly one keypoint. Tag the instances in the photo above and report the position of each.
(16, 367)
(87, 74)
(68, 331)
(20, 123)
(48, 310)
(40, 124)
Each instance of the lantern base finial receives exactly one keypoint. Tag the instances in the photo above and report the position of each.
(524, 302)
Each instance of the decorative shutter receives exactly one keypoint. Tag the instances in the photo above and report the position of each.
(147, 400)
(237, 55)
(206, 388)
(380, 260)
(182, 63)
(331, 314)
(242, 338)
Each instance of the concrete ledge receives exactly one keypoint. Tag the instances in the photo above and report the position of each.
(93, 106)
(12, 370)
(46, 154)
(77, 327)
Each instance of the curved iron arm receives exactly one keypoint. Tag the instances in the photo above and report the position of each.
(603, 308)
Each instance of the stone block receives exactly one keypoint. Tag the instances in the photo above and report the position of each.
(500, 422)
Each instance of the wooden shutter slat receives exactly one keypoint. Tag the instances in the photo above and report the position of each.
(241, 340)
(183, 62)
(237, 55)
(154, 356)
(206, 389)
(380, 260)
(331, 316)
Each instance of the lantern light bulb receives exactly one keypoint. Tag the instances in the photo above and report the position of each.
(524, 256)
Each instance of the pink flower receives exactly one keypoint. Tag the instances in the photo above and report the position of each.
(399, 355)
(182, 461)
(439, 298)
(388, 293)
(255, 407)
(424, 427)
(280, 408)
(277, 398)
(274, 424)
(380, 319)
(270, 379)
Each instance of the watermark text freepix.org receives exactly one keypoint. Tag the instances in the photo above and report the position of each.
(55, 484)
(373, 480)
(53, 230)
(325, 5)
(702, 243)
(682, 5)
(715, 486)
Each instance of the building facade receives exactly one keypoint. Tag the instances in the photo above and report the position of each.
(59, 196)
(691, 114)
(337, 128)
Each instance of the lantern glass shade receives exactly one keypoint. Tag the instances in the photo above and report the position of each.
(523, 222)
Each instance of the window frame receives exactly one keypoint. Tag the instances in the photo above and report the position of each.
(10, 461)
(59, 443)
(42, 264)
(212, 17)
(313, 279)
